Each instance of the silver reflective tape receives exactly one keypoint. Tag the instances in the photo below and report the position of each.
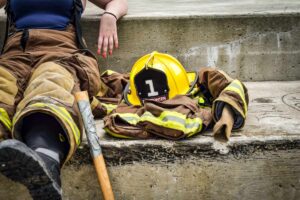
(49, 153)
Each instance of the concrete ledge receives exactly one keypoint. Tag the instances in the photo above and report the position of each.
(260, 162)
(273, 123)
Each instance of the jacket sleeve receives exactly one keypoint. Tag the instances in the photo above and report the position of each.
(222, 90)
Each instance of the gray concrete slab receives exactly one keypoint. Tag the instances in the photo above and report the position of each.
(249, 48)
(273, 118)
(250, 40)
(176, 8)
(259, 162)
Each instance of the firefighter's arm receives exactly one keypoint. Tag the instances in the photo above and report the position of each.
(2, 3)
(108, 37)
(224, 92)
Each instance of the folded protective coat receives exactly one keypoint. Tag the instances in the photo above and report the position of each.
(176, 118)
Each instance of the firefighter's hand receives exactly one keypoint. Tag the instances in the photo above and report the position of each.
(108, 37)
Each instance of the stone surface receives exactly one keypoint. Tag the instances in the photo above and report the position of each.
(178, 8)
(262, 161)
(249, 48)
(251, 40)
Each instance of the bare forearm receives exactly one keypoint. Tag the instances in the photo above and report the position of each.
(117, 7)
(2, 3)
(108, 36)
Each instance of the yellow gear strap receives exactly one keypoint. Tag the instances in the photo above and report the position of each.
(4, 118)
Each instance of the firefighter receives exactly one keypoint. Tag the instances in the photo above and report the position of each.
(44, 61)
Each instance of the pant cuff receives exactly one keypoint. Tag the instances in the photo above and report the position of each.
(60, 113)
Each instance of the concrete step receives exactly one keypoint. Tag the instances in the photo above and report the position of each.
(250, 40)
(262, 161)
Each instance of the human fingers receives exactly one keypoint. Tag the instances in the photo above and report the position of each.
(116, 41)
(110, 45)
(104, 47)
(100, 42)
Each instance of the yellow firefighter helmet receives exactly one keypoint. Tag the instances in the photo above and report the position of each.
(159, 77)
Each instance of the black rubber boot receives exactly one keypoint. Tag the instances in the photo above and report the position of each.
(38, 172)
(43, 132)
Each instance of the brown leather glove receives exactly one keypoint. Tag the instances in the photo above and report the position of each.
(222, 129)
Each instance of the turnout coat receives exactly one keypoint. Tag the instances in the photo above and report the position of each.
(176, 118)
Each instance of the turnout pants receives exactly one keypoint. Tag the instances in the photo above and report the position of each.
(40, 70)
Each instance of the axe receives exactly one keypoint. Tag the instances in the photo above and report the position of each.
(83, 102)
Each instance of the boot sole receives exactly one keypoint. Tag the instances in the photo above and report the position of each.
(20, 164)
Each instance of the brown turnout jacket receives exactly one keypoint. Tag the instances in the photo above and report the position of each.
(180, 117)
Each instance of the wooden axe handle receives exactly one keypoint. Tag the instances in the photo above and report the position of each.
(82, 99)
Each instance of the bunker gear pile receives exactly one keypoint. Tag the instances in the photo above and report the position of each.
(183, 115)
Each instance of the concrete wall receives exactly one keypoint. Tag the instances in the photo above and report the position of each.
(250, 47)
(259, 174)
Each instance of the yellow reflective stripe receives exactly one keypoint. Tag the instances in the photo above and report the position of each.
(108, 107)
(4, 118)
(108, 72)
(117, 135)
(174, 120)
(236, 86)
(130, 118)
(64, 114)
(94, 103)
(236, 83)
(167, 119)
